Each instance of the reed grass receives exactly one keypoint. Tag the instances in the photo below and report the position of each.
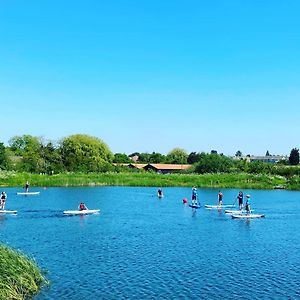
(222, 180)
(20, 277)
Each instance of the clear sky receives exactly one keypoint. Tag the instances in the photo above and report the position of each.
(153, 75)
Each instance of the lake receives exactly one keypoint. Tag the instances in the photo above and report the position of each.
(142, 247)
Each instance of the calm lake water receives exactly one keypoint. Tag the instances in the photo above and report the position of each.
(142, 247)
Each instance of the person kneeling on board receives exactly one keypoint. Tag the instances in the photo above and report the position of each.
(82, 206)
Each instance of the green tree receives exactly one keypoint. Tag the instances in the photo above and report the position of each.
(85, 153)
(294, 157)
(177, 156)
(4, 161)
(28, 148)
(157, 158)
(238, 153)
(121, 158)
(214, 163)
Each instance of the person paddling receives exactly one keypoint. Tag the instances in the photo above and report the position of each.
(26, 187)
(82, 206)
(3, 200)
(160, 193)
(220, 198)
(194, 196)
(247, 206)
(240, 198)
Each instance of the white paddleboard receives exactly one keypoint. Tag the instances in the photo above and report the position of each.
(250, 216)
(219, 206)
(81, 212)
(28, 193)
(3, 211)
(236, 212)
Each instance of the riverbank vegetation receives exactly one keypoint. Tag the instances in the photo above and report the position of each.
(84, 160)
(220, 180)
(20, 277)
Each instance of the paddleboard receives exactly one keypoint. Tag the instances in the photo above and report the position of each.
(8, 211)
(81, 212)
(235, 211)
(194, 206)
(28, 193)
(219, 206)
(250, 216)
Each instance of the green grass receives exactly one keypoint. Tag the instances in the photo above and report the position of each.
(20, 277)
(231, 180)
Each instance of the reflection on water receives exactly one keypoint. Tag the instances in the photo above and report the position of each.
(142, 247)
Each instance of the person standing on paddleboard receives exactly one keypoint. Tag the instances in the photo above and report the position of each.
(247, 206)
(26, 187)
(194, 196)
(3, 200)
(240, 198)
(220, 198)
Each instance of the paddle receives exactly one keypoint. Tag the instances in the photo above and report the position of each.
(234, 202)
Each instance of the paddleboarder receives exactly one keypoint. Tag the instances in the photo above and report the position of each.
(26, 187)
(240, 199)
(3, 200)
(194, 196)
(247, 206)
(82, 206)
(160, 193)
(220, 198)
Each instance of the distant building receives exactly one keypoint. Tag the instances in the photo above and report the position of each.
(273, 159)
(158, 168)
(166, 168)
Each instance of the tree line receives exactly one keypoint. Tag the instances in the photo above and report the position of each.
(84, 153)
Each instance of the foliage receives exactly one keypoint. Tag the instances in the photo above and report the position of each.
(154, 158)
(84, 153)
(177, 156)
(127, 178)
(213, 163)
(20, 276)
(195, 157)
(4, 160)
(121, 158)
(294, 157)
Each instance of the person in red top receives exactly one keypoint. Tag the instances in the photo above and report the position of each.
(82, 206)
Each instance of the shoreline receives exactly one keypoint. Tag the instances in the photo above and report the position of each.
(143, 179)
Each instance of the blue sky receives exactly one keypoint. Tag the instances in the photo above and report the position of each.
(153, 75)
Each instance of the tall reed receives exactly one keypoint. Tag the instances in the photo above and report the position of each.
(20, 277)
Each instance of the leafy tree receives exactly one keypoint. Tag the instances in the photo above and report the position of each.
(238, 153)
(267, 153)
(52, 159)
(294, 157)
(157, 158)
(144, 158)
(195, 157)
(21, 145)
(259, 167)
(4, 161)
(121, 158)
(84, 153)
(177, 156)
(214, 163)
(28, 148)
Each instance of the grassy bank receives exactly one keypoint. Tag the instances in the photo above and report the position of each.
(240, 180)
(20, 277)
